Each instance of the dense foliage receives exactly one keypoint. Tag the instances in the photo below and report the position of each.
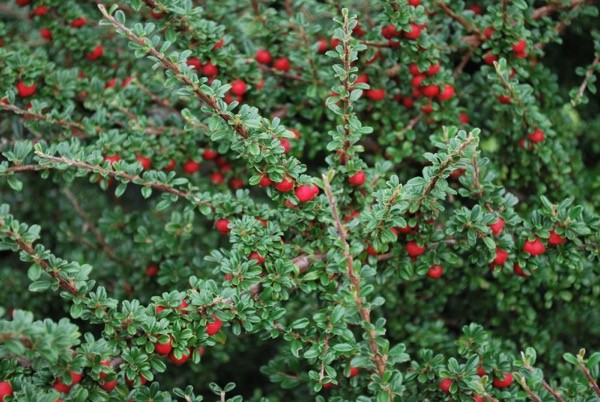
(300, 199)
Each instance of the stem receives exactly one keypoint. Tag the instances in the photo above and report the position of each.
(379, 360)
(589, 377)
(43, 117)
(588, 74)
(546, 386)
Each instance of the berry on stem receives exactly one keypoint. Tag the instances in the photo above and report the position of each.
(358, 178)
(183, 359)
(164, 349)
(222, 226)
(497, 227)
(504, 382)
(555, 239)
(214, 326)
(435, 271)
(413, 249)
(534, 247)
(263, 56)
(285, 185)
(25, 90)
(5, 390)
(305, 193)
(282, 64)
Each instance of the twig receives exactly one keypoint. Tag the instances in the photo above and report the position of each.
(546, 386)
(588, 74)
(42, 117)
(589, 377)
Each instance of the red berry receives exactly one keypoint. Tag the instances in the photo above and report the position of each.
(210, 69)
(132, 382)
(191, 167)
(534, 247)
(209, 154)
(216, 178)
(445, 385)
(414, 32)
(446, 93)
(555, 239)
(504, 99)
(427, 108)
(78, 22)
(390, 32)
(434, 68)
(285, 185)
(376, 94)
(75, 377)
(488, 32)
(501, 257)
(152, 270)
(109, 385)
(96, 53)
(170, 166)
(219, 44)
(145, 162)
(112, 159)
(24, 90)
(536, 136)
(435, 271)
(126, 82)
(194, 62)
(282, 64)
(497, 227)
(164, 349)
(45, 33)
(263, 56)
(490, 58)
(474, 8)
(183, 358)
(520, 46)
(480, 371)
(22, 3)
(414, 3)
(358, 178)
(457, 173)
(236, 183)
(477, 398)
(111, 83)
(156, 15)
(353, 372)
(358, 30)
(464, 118)
(41, 10)
(505, 382)
(408, 102)
(265, 181)
(328, 385)
(296, 133)
(413, 249)
(257, 257)
(305, 193)
(106, 363)
(285, 143)
(430, 90)
(213, 327)
(417, 80)
(323, 45)
(519, 270)
(334, 42)
(413, 68)
(182, 307)
(238, 87)
(60, 386)
(158, 309)
(5, 390)
(222, 226)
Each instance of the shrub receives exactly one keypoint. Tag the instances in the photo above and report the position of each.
(395, 200)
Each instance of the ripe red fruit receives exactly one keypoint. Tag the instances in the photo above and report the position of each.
(156, 15)
(191, 167)
(209, 154)
(41, 10)
(408, 102)
(222, 226)
(390, 32)
(555, 239)
(520, 46)
(413, 249)
(414, 32)
(497, 227)
(285, 185)
(216, 178)
(219, 44)
(182, 307)
(488, 32)
(519, 270)
(22, 3)
(376, 94)
(45, 33)
(501, 257)
(457, 173)
(427, 108)
(445, 385)
(170, 166)
(213, 327)
(358, 30)
(480, 371)
(490, 58)
(145, 162)
(111, 83)
(152, 270)
(475, 9)
(183, 359)
(78, 22)
(505, 382)
(75, 377)
(414, 3)
(353, 372)
(263, 56)
(126, 82)
(112, 159)
(435, 271)
(477, 398)
(446, 93)
(108, 386)
(282, 64)
(131, 382)
(504, 99)
(265, 181)
(430, 90)
(536, 136)
(464, 118)
(164, 349)
(96, 53)
(238, 87)
(194, 62)
(285, 143)
(210, 69)
(305, 193)
(328, 385)
(434, 68)
(358, 178)
(158, 309)
(61, 387)
(236, 183)
(417, 80)
(5, 390)
(534, 247)
(106, 363)
(24, 90)
(255, 256)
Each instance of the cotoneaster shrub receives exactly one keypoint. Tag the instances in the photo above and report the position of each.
(299, 200)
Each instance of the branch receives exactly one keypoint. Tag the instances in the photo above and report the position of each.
(588, 74)
(42, 117)
(589, 377)
(546, 386)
